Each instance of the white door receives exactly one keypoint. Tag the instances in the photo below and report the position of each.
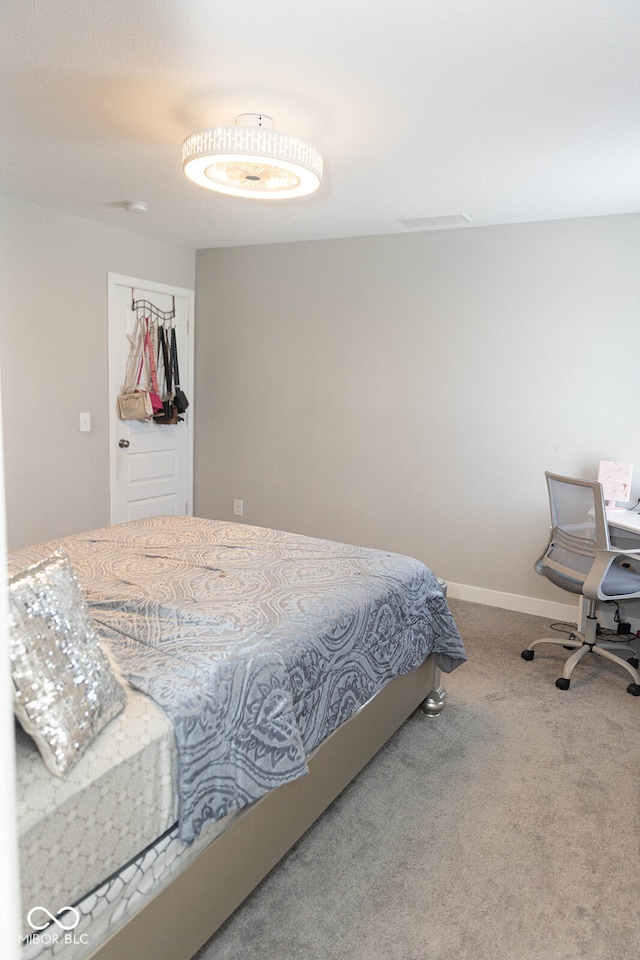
(151, 465)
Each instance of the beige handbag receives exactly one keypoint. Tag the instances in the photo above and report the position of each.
(135, 405)
(134, 402)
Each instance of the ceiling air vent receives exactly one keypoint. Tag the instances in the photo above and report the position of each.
(432, 223)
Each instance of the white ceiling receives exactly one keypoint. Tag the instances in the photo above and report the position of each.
(503, 110)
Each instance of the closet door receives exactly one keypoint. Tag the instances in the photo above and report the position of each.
(151, 465)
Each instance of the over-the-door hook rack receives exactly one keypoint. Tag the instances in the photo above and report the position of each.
(150, 309)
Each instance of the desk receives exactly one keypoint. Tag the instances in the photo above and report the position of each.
(624, 528)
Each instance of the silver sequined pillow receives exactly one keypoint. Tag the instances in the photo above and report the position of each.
(65, 690)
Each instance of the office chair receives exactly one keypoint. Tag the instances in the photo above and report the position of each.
(579, 558)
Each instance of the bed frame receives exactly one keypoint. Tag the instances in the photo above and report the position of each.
(187, 912)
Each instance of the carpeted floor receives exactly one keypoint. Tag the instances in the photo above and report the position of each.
(506, 828)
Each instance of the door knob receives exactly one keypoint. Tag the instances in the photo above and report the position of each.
(124, 444)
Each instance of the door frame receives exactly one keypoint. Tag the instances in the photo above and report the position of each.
(115, 374)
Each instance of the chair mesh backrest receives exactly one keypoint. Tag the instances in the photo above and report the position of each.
(579, 521)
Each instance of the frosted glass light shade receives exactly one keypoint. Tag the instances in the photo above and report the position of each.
(252, 161)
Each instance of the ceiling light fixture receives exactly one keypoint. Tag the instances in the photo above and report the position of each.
(252, 160)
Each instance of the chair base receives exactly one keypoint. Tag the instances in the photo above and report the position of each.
(582, 644)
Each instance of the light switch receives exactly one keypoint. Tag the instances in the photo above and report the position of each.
(85, 422)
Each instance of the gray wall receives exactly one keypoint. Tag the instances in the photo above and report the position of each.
(53, 348)
(407, 392)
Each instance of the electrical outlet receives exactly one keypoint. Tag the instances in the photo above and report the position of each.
(238, 508)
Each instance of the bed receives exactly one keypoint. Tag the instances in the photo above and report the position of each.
(260, 670)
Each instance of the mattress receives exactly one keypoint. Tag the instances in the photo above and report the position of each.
(103, 837)
(76, 831)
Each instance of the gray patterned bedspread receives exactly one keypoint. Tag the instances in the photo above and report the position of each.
(257, 643)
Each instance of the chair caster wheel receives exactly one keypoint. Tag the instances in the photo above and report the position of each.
(634, 662)
(634, 689)
(563, 684)
(527, 654)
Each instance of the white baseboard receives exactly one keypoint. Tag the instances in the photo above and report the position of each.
(511, 601)
(566, 612)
